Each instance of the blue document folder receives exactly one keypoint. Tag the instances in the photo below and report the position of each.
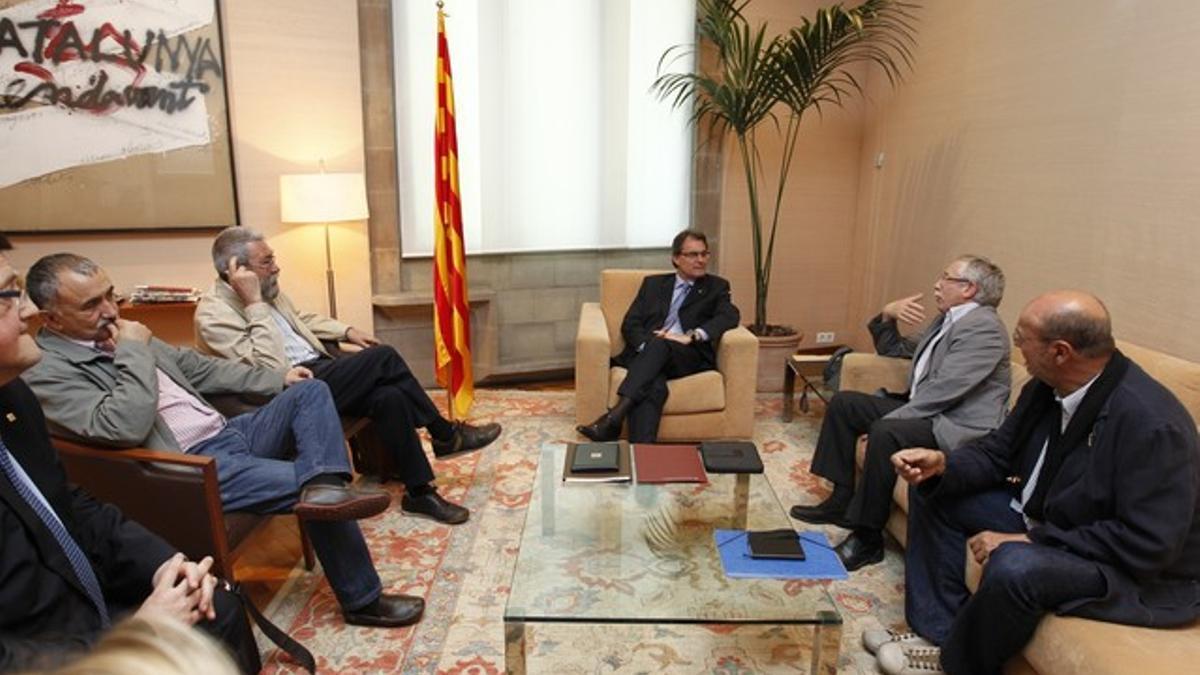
(820, 561)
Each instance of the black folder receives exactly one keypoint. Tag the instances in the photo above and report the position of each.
(783, 544)
(596, 458)
(730, 457)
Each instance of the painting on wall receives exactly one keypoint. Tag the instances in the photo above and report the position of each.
(113, 116)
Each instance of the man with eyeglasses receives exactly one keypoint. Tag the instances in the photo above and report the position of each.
(248, 319)
(671, 330)
(70, 565)
(957, 391)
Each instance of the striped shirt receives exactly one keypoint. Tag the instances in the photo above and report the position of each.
(295, 347)
(189, 419)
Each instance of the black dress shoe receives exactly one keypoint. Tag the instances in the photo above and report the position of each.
(831, 511)
(603, 430)
(860, 549)
(340, 502)
(388, 611)
(466, 437)
(434, 506)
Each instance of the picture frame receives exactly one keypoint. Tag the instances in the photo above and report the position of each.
(114, 116)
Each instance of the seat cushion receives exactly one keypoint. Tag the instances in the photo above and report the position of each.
(702, 392)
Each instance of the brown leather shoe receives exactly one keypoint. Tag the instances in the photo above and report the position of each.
(389, 611)
(340, 502)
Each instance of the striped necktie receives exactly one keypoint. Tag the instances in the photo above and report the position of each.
(75, 555)
(671, 325)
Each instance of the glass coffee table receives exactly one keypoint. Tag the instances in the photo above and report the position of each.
(644, 554)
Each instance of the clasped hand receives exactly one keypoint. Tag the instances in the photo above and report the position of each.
(183, 590)
(681, 338)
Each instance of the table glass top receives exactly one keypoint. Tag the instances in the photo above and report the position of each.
(645, 553)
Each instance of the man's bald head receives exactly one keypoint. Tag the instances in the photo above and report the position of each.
(1076, 317)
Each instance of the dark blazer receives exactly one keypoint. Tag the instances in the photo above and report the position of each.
(707, 307)
(44, 611)
(1127, 497)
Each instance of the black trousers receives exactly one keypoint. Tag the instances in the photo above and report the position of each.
(646, 384)
(376, 383)
(849, 415)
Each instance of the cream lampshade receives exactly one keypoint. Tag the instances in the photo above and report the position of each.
(323, 198)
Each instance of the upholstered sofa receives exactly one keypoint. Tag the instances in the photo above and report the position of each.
(713, 404)
(1063, 645)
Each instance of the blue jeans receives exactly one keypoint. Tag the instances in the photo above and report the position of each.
(255, 474)
(1021, 582)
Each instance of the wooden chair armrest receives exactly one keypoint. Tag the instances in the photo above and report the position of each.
(74, 448)
(172, 494)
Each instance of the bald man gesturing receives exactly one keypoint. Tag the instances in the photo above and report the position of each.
(1084, 502)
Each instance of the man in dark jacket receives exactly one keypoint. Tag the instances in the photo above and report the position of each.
(69, 565)
(1084, 502)
(671, 330)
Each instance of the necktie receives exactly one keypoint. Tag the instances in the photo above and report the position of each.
(75, 555)
(672, 323)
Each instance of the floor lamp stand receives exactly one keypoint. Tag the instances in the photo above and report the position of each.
(329, 284)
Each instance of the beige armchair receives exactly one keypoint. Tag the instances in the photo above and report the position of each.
(712, 404)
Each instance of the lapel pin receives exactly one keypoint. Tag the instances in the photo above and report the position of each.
(10, 417)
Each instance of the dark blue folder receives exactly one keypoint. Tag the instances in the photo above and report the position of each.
(820, 561)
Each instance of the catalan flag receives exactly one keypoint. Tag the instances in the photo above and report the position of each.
(451, 313)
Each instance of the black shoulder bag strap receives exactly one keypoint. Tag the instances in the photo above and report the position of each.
(294, 649)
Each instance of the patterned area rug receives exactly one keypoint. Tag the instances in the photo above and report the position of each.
(463, 572)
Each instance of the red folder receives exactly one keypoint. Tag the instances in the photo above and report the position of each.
(668, 464)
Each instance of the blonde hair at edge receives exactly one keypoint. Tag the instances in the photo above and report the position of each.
(152, 646)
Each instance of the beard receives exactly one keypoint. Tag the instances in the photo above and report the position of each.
(270, 287)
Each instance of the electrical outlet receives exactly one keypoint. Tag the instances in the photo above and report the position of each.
(825, 338)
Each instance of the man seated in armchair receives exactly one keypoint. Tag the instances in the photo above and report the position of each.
(958, 390)
(108, 381)
(247, 318)
(671, 330)
(1085, 502)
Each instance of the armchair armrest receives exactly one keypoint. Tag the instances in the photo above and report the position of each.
(172, 494)
(592, 354)
(737, 360)
(869, 372)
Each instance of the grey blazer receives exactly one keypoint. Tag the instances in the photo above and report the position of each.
(966, 386)
(113, 400)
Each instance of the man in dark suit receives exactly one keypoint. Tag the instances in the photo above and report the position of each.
(1085, 502)
(671, 330)
(958, 390)
(70, 564)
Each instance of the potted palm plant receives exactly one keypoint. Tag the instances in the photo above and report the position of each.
(757, 79)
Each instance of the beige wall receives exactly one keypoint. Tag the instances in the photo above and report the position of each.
(294, 92)
(1058, 138)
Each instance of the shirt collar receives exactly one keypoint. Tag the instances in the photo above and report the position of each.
(680, 281)
(1070, 402)
(959, 311)
(89, 344)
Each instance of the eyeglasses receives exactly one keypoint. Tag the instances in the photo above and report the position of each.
(695, 255)
(16, 292)
(947, 277)
(1019, 339)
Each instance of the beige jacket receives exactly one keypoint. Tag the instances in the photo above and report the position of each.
(227, 328)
